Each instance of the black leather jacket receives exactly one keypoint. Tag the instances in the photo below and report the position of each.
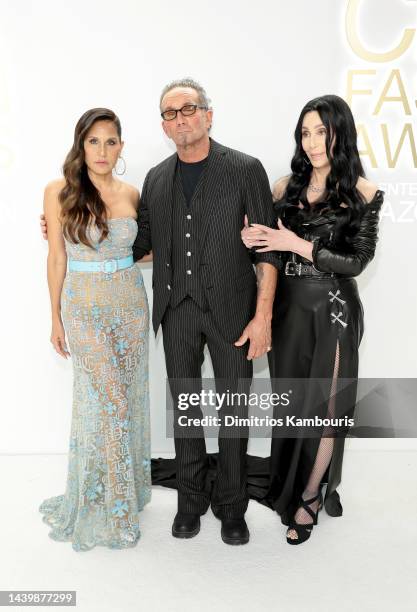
(339, 246)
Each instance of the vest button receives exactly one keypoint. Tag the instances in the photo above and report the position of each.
(188, 216)
(187, 235)
(169, 287)
(188, 253)
(188, 272)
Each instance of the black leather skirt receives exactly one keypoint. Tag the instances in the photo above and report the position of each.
(316, 332)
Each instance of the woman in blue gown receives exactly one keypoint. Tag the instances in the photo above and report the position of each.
(99, 301)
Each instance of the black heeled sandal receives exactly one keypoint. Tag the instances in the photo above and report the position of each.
(304, 531)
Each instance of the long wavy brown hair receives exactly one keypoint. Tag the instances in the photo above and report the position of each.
(80, 200)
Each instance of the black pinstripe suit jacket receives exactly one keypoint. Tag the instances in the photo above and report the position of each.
(236, 184)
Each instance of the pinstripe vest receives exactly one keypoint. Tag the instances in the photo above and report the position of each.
(186, 224)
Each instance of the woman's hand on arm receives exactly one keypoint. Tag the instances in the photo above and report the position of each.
(269, 239)
(56, 264)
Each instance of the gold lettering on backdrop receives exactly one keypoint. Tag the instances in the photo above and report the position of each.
(351, 91)
(407, 130)
(387, 89)
(395, 74)
(360, 50)
(368, 150)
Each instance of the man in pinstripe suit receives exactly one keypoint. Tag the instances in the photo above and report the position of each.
(206, 292)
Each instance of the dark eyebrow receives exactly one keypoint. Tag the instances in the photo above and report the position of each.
(109, 137)
(315, 127)
(169, 107)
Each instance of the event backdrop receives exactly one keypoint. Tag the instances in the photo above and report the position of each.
(260, 62)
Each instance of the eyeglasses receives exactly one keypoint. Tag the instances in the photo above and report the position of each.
(186, 111)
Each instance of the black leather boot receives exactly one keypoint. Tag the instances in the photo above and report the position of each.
(234, 531)
(185, 525)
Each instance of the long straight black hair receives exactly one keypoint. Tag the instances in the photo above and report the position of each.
(345, 164)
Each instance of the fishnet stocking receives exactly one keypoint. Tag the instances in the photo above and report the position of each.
(323, 457)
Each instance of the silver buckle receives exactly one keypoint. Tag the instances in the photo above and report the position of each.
(292, 268)
(113, 263)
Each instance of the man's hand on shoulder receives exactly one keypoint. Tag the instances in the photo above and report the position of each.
(51, 191)
(43, 227)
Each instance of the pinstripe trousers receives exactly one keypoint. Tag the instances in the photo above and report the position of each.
(186, 331)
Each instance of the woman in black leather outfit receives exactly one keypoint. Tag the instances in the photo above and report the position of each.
(327, 231)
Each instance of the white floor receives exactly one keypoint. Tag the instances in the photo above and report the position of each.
(365, 560)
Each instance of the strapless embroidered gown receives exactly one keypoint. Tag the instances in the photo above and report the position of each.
(106, 320)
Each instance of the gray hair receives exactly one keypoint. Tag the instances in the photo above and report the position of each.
(203, 99)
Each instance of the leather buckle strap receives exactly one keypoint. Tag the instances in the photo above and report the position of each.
(293, 268)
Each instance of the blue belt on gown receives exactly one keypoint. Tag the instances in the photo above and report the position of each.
(108, 265)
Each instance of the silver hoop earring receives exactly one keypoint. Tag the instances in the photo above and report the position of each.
(124, 167)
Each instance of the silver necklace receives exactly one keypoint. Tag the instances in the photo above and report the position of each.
(315, 189)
